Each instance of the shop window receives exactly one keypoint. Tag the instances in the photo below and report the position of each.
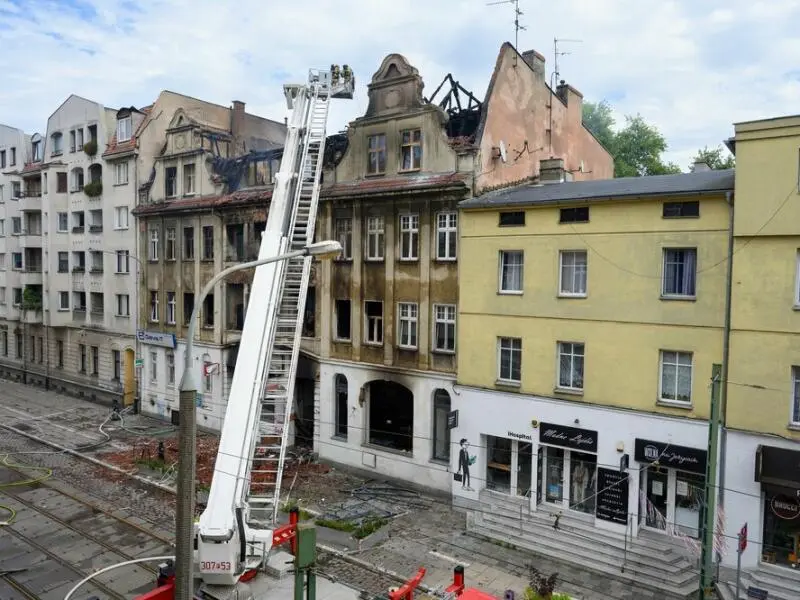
(340, 387)
(391, 416)
(689, 499)
(655, 483)
(583, 470)
(781, 537)
(441, 433)
(498, 464)
(554, 477)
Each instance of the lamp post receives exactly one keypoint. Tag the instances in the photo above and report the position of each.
(187, 427)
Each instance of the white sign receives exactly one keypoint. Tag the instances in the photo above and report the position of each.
(157, 338)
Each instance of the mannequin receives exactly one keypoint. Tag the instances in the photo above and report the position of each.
(580, 481)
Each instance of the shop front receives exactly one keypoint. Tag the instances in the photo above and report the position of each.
(671, 487)
(778, 472)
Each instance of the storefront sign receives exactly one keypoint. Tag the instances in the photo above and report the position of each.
(520, 436)
(785, 507)
(156, 338)
(779, 467)
(452, 419)
(573, 438)
(612, 496)
(670, 455)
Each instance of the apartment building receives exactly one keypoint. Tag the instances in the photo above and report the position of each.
(382, 362)
(589, 321)
(204, 175)
(762, 465)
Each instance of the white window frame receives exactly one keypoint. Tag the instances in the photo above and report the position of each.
(121, 217)
(153, 366)
(61, 304)
(170, 368)
(124, 129)
(797, 282)
(343, 227)
(171, 308)
(507, 344)
(375, 239)
(65, 217)
(153, 246)
(678, 365)
(370, 331)
(408, 325)
(442, 318)
(664, 292)
(571, 277)
(153, 306)
(504, 263)
(794, 406)
(121, 173)
(571, 350)
(123, 263)
(123, 305)
(169, 244)
(409, 237)
(447, 228)
(189, 179)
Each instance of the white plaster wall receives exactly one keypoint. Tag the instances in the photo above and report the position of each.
(418, 467)
(483, 412)
(744, 502)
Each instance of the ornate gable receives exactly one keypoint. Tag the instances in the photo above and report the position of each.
(396, 87)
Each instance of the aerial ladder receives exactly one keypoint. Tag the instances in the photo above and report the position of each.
(238, 527)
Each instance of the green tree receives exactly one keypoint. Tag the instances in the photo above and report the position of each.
(598, 119)
(716, 158)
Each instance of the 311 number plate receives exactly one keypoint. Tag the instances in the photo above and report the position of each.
(211, 566)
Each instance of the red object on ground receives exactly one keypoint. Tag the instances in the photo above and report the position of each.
(165, 592)
(406, 591)
(472, 594)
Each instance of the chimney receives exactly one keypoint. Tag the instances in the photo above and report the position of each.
(237, 122)
(700, 166)
(535, 61)
(551, 170)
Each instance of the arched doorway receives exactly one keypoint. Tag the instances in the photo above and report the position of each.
(129, 378)
(391, 415)
(441, 429)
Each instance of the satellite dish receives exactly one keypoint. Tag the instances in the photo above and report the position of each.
(502, 149)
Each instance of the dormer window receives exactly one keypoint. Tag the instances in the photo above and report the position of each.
(36, 151)
(411, 150)
(376, 154)
(124, 129)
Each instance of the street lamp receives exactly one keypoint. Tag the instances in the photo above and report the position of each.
(187, 426)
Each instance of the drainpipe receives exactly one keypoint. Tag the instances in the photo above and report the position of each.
(726, 350)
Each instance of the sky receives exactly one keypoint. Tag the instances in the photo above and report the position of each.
(690, 67)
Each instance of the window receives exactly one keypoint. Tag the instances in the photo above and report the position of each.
(579, 214)
(36, 151)
(63, 222)
(123, 305)
(795, 417)
(409, 237)
(676, 376)
(512, 219)
(57, 144)
(681, 209)
(154, 306)
(124, 129)
(61, 183)
(33, 348)
(153, 366)
(444, 327)
(79, 301)
(2, 295)
(343, 316)
(376, 154)
(16, 299)
(41, 350)
(123, 261)
(171, 182)
(511, 267)
(509, 367)
(4, 342)
(446, 235)
(188, 179)
(153, 248)
(2, 227)
(121, 217)
(16, 260)
(344, 235)
(13, 157)
(407, 325)
(82, 358)
(373, 318)
(170, 367)
(375, 237)
(441, 431)
(20, 343)
(16, 225)
(170, 308)
(208, 242)
(572, 273)
(63, 300)
(121, 173)
(2, 159)
(63, 262)
(411, 150)
(77, 179)
(208, 311)
(188, 243)
(570, 365)
(116, 359)
(95, 360)
(188, 306)
(680, 272)
(60, 354)
(797, 282)
(340, 390)
(169, 251)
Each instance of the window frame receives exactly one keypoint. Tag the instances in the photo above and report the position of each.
(336, 337)
(568, 349)
(673, 295)
(797, 281)
(380, 321)
(121, 173)
(124, 129)
(208, 243)
(188, 250)
(65, 216)
(511, 292)
(414, 141)
(512, 350)
(377, 151)
(120, 223)
(378, 233)
(169, 244)
(189, 179)
(794, 404)
(123, 260)
(61, 305)
(171, 176)
(172, 308)
(409, 232)
(343, 231)
(439, 413)
(154, 308)
(153, 366)
(170, 356)
(408, 318)
(340, 418)
(123, 299)
(450, 232)
(561, 291)
(669, 401)
(444, 323)
(153, 244)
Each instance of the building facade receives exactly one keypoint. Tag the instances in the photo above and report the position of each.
(385, 313)
(762, 466)
(200, 210)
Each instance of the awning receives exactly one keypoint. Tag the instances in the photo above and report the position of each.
(778, 467)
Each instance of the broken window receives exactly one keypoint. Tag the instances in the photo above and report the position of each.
(208, 311)
(376, 154)
(375, 237)
(407, 325)
(208, 242)
(373, 321)
(409, 237)
(171, 182)
(309, 324)
(235, 306)
(188, 306)
(391, 415)
(342, 332)
(344, 235)
(235, 238)
(411, 150)
(340, 386)
(188, 243)
(169, 249)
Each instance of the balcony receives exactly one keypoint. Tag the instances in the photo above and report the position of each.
(31, 238)
(31, 201)
(31, 275)
(95, 229)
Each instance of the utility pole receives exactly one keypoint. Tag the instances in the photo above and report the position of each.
(305, 577)
(710, 504)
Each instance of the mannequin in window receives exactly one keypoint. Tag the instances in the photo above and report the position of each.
(580, 481)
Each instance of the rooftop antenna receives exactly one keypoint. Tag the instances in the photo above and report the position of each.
(556, 76)
(517, 14)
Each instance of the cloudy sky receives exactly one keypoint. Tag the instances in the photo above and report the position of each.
(691, 67)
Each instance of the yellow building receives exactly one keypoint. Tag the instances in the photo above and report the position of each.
(590, 315)
(762, 458)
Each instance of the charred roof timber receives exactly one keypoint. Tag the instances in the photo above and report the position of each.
(464, 118)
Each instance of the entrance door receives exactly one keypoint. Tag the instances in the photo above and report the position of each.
(524, 466)
(657, 484)
(539, 471)
(129, 385)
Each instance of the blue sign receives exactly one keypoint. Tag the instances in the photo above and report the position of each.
(157, 338)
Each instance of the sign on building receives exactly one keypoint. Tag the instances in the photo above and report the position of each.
(157, 338)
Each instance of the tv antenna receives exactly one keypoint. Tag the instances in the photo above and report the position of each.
(517, 14)
(556, 76)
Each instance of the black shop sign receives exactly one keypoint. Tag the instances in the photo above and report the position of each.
(671, 455)
(612, 496)
(583, 440)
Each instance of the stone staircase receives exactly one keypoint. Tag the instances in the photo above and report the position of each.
(780, 583)
(650, 560)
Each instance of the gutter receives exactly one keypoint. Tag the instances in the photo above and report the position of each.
(726, 349)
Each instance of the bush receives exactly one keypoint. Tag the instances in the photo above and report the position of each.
(93, 189)
(90, 147)
(31, 299)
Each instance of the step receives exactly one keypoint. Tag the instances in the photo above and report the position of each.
(781, 583)
(579, 557)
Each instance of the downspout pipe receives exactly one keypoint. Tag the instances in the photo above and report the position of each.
(726, 350)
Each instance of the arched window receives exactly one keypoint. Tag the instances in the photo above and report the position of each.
(441, 432)
(391, 415)
(340, 405)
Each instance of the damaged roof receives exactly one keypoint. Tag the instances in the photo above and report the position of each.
(622, 188)
(225, 201)
(120, 148)
(397, 185)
